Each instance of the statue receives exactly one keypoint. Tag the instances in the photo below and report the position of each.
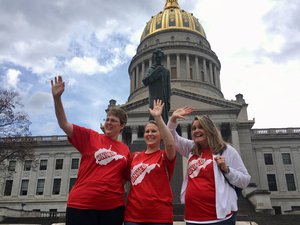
(158, 79)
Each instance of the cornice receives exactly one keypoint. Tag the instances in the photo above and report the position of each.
(224, 104)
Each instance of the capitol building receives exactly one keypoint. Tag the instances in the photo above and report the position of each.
(271, 155)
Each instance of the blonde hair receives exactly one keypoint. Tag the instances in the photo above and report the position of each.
(214, 137)
(150, 122)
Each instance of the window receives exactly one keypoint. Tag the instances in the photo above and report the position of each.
(53, 212)
(268, 159)
(202, 76)
(191, 73)
(27, 165)
(173, 73)
(40, 187)
(277, 210)
(75, 164)
(59, 164)
(24, 187)
(43, 164)
(56, 186)
(295, 208)
(290, 182)
(272, 182)
(286, 158)
(71, 184)
(8, 187)
(141, 131)
(12, 165)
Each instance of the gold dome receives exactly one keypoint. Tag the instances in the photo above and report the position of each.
(172, 17)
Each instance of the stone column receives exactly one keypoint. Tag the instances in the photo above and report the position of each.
(197, 68)
(219, 79)
(15, 191)
(279, 169)
(178, 66)
(134, 130)
(143, 73)
(296, 156)
(211, 73)
(49, 178)
(188, 74)
(168, 62)
(66, 175)
(132, 80)
(235, 137)
(216, 76)
(206, 78)
(135, 78)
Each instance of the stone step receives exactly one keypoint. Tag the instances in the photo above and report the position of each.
(237, 223)
(183, 223)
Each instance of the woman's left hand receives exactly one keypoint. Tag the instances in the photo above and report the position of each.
(221, 163)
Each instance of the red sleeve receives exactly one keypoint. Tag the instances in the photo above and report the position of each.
(170, 165)
(127, 169)
(80, 137)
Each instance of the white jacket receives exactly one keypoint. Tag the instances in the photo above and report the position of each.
(226, 198)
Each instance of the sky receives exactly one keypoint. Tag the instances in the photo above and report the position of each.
(91, 43)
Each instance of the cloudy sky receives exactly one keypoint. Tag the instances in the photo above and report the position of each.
(90, 43)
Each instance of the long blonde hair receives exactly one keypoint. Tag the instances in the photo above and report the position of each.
(214, 137)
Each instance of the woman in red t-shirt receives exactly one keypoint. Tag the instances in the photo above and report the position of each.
(213, 168)
(97, 197)
(150, 196)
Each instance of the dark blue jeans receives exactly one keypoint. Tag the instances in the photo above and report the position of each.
(133, 223)
(230, 221)
(94, 217)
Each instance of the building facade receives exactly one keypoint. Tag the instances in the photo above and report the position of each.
(270, 155)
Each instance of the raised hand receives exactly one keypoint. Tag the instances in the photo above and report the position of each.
(58, 86)
(158, 106)
(181, 112)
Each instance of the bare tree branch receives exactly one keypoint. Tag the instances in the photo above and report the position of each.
(16, 142)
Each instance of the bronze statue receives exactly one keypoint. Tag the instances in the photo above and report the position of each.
(157, 77)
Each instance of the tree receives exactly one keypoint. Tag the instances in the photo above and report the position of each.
(16, 142)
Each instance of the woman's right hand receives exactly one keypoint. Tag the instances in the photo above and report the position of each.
(158, 106)
(58, 86)
(181, 113)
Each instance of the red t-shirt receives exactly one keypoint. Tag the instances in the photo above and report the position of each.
(150, 196)
(200, 204)
(100, 180)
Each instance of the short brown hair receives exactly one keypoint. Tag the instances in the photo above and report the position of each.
(120, 113)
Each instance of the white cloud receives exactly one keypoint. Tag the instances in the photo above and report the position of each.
(45, 65)
(110, 27)
(38, 103)
(130, 50)
(12, 77)
(86, 65)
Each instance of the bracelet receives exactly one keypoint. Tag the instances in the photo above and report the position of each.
(227, 171)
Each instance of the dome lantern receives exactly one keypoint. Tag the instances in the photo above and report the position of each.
(171, 4)
(172, 18)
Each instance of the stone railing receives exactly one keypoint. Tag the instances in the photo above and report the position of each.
(50, 138)
(277, 131)
(8, 212)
